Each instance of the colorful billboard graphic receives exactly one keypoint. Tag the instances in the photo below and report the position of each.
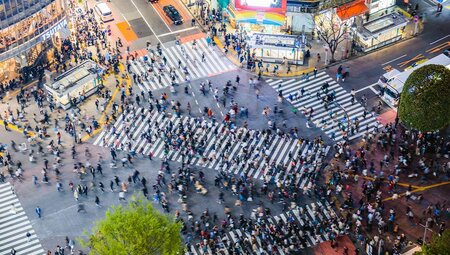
(265, 18)
(278, 6)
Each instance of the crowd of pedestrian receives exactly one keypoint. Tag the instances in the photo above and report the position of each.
(283, 183)
(388, 156)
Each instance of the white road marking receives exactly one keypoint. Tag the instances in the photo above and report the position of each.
(366, 87)
(393, 60)
(125, 19)
(440, 39)
(178, 31)
(148, 24)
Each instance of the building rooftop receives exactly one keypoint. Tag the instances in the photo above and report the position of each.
(258, 40)
(75, 76)
(381, 24)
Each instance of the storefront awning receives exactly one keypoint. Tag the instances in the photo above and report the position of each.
(351, 10)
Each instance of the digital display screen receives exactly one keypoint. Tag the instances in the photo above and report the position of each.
(262, 5)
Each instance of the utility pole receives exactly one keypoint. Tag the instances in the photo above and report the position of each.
(416, 24)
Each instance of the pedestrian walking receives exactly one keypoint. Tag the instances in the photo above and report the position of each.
(13, 209)
(75, 194)
(97, 201)
(38, 211)
(122, 196)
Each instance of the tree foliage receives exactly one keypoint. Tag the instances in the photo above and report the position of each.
(135, 229)
(425, 99)
(440, 245)
(330, 28)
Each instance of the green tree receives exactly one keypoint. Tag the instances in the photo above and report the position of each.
(440, 245)
(425, 99)
(135, 229)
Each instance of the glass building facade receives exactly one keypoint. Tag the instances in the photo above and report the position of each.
(27, 28)
(13, 11)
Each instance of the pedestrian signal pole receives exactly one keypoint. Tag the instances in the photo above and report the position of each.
(416, 24)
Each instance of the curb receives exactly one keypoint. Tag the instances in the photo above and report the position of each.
(236, 62)
(285, 76)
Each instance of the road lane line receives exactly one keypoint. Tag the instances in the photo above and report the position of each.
(374, 90)
(440, 39)
(428, 3)
(178, 31)
(161, 17)
(366, 87)
(125, 19)
(414, 59)
(419, 190)
(438, 47)
(148, 24)
(393, 60)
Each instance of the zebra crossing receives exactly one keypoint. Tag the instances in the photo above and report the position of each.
(326, 119)
(190, 57)
(305, 217)
(14, 226)
(132, 130)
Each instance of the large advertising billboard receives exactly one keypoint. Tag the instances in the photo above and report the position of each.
(262, 5)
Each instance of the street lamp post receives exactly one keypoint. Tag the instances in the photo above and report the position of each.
(346, 116)
(425, 231)
(353, 28)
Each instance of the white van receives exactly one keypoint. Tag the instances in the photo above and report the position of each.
(390, 84)
(394, 80)
(103, 12)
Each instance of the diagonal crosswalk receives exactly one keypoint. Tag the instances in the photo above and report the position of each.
(329, 118)
(210, 144)
(307, 226)
(14, 225)
(178, 57)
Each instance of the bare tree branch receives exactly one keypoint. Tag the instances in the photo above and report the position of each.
(331, 29)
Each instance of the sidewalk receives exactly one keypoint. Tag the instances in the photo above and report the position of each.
(317, 47)
(310, 63)
(425, 192)
(342, 241)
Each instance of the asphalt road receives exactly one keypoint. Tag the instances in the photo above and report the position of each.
(150, 23)
(366, 70)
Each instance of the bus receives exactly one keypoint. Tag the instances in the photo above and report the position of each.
(392, 82)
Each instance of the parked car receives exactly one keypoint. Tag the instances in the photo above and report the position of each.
(173, 14)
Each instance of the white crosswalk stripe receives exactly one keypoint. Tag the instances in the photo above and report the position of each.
(244, 151)
(190, 57)
(326, 119)
(14, 225)
(303, 221)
